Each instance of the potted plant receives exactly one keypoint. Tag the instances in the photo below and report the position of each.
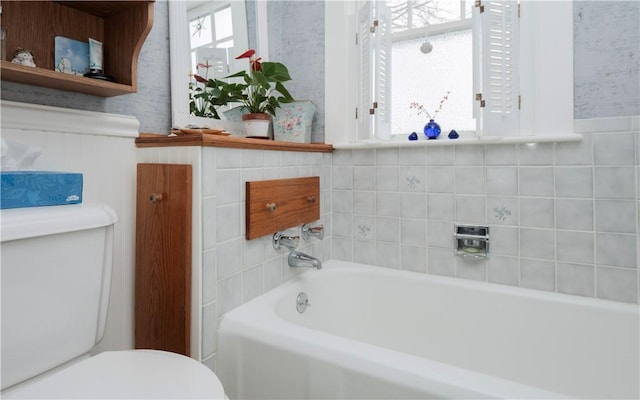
(261, 91)
(206, 95)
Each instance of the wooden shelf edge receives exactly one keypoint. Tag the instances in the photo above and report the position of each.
(58, 80)
(206, 140)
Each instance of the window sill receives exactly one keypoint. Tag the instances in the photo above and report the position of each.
(204, 140)
(475, 140)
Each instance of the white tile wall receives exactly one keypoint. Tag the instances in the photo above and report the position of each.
(563, 216)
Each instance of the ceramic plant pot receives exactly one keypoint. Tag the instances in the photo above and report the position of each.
(256, 125)
(292, 122)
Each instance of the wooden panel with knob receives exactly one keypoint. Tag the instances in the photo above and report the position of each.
(278, 204)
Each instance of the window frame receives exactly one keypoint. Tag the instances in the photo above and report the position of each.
(548, 85)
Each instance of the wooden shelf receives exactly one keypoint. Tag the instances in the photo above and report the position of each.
(122, 27)
(206, 140)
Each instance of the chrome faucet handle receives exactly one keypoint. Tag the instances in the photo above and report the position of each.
(280, 239)
(316, 231)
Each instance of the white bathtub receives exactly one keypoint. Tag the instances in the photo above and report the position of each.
(378, 333)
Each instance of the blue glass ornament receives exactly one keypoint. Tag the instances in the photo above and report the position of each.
(432, 130)
(413, 136)
(453, 134)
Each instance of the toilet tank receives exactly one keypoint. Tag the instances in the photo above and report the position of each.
(56, 274)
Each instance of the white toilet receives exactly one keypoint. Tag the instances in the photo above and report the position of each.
(56, 274)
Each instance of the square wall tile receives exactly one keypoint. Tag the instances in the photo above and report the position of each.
(413, 232)
(413, 179)
(364, 178)
(228, 258)
(388, 229)
(537, 243)
(387, 178)
(388, 204)
(617, 216)
(413, 205)
(227, 222)
(441, 207)
(535, 153)
(617, 284)
(574, 182)
(342, 178)
(208, 223)
(342, 201)
(575, 153)
(209, 329)
(414, 156)
(616, 250)
(470, 209)
(536, 274)
(440, 179)
(364, 251)
(575, 214)
(502, 181)
(357, 157)
(364, 203)
(615, 182)
(575, 247)
(576, 279)
(537, 212)
(504, 241)
(209, 277)
(341, 224)
(440, 155)
(469, 180)
(388, 255)
(504, 270)
(229, 293)
(272, 273)
(364, 227)
(613, 148)
(388, 156)
(502, 210)
(440, 234)
(230, 181)
(469, 155)
(441, 262)
(252, 283)
(500, 154)
(413, 258)
(536, 181)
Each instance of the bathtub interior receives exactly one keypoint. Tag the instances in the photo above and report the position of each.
(580, 347)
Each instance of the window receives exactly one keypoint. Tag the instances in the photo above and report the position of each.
(211, 31)
(431, 58)
(519, 81)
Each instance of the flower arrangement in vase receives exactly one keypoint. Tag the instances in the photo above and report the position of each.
(260, 91)
(431, 129)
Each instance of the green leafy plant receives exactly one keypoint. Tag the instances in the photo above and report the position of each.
(261, 89)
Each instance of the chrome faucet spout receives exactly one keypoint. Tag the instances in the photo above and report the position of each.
(301, 260)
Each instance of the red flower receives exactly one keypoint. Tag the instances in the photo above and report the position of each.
(246, 54)
(200, 79)
(256, 65)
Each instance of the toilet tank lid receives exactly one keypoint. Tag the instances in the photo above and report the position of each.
(22, 223)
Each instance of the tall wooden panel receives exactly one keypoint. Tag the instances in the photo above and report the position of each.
(163, 258)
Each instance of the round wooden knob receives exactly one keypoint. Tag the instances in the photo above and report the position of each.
(271, 207)
(155, 197)
(311, 199)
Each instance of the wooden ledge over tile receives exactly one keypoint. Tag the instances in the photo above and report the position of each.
(207, 140)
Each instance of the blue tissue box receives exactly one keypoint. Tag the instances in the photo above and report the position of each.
(39, 188)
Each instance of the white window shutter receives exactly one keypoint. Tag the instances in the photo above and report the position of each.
(365, 63)
(382, 72)
(496, 81)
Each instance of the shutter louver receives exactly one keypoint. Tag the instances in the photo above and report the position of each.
(497, 78)
(365, 62)
(382, 75)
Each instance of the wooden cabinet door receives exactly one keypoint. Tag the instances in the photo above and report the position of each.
(163, 258)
